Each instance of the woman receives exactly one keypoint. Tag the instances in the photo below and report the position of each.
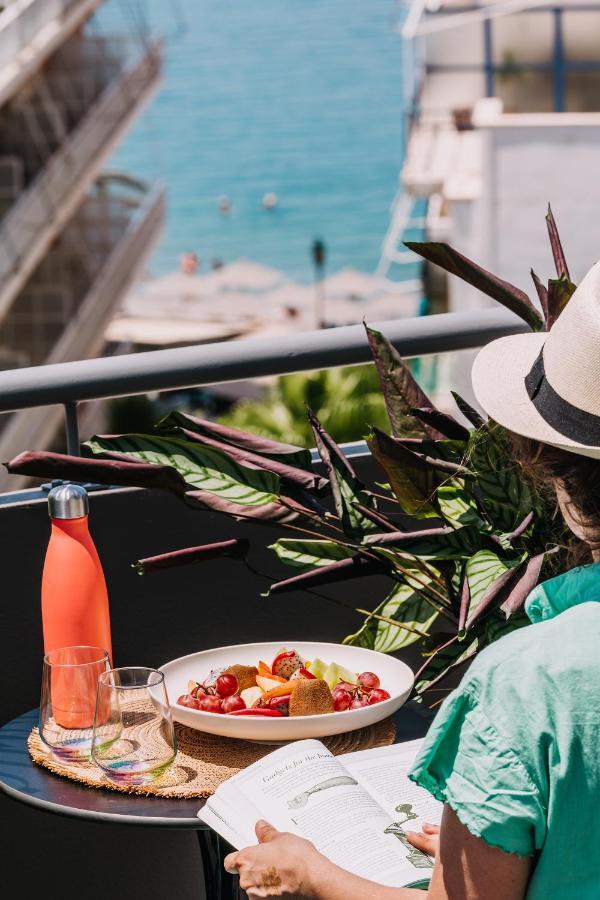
(514, 751)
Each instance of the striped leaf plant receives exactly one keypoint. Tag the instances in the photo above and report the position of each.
(452, 522)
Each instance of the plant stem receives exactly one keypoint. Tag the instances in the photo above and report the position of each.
(372, 615)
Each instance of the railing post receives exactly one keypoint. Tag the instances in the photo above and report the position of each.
(72, 428)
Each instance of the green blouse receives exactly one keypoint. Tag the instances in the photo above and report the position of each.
(515, 750)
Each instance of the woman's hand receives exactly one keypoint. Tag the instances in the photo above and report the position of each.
(282, 865)
(427, 840)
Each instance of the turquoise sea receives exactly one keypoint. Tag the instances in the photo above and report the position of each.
(302, 99)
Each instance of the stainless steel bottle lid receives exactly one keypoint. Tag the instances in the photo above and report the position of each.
(68, 501)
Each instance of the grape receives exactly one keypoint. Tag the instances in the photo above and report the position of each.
(341, 700)
(210, 704)
(231, 703)
(359, 702)
(189, 701)
(368, 681)
(377, 696)
(226, 685)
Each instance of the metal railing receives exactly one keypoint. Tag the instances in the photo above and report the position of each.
(69, 383)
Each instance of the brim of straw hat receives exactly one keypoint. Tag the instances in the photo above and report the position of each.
(498, 378)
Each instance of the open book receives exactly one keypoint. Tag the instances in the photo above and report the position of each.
(355, 808)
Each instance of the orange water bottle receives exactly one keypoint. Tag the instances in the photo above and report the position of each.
(74, 596)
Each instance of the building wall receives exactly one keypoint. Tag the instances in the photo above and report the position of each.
(525, 164)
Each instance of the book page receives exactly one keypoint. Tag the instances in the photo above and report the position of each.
(304, 789)
(384, 773)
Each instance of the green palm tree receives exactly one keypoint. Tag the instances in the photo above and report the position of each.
(346, 401)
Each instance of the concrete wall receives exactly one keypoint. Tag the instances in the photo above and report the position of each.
(526, 162)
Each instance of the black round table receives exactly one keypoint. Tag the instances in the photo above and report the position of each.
(26, 782)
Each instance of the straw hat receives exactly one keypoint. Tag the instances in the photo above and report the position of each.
(546, 385)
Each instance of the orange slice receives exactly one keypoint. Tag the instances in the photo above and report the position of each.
(281, 691)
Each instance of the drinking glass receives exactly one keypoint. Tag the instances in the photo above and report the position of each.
(133, 696)
(68, 701)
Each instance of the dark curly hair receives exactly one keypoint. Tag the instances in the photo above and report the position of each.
(548, 467)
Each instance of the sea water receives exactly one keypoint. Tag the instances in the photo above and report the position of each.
(302, 99)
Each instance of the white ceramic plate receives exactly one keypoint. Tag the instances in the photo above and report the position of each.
(395, 676)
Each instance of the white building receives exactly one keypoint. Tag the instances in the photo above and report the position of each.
(502, 103)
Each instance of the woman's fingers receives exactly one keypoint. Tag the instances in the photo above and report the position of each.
(425, 842)
(230, 863)
(430, 829)
(264, 831)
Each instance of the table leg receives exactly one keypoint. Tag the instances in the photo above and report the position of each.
(219, 885)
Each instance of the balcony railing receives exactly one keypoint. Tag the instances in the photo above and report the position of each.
(69, 383)
(30, 30)
(55, 319)
(50, 200)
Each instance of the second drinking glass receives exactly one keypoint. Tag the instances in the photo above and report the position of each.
(128, 697)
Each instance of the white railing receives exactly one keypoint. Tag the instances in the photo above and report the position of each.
(28, 228)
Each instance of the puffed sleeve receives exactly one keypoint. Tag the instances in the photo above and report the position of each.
(465, 762)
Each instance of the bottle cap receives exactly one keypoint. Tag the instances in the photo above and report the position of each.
(68, 501)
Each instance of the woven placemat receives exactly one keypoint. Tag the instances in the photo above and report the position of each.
(203, 761)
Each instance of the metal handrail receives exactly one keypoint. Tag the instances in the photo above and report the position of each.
(158, 370)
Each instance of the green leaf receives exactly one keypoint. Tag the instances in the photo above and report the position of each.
(560, 291)
(497, 625)
(447, 657)
(413, 480)
(503, 291)
(505, 494)
(457, 506)
(203, 468)
(308, 554)
(481, 571)
(403, 605)
(401, 392)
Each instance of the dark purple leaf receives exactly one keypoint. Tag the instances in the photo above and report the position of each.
(468, 412)
(496, 594)
(406, 537)
(346, 488)
(542, 293)
(122, 472)
(521, 528)
(288, 474)
(375, 517)
(296, 456)
(412, 479)
(441, 422)
(465, 602)
(516, 599)
(557, 250)
(503, 291)
(401, 391)
(237, 548)
(341, 570)
(276, 512)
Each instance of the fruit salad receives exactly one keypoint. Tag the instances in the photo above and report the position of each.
(289, 686)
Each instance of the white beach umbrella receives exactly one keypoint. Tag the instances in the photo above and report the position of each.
(352, 284)
(243, 275)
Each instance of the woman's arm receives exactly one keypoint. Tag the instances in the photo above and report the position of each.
(467, 869)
